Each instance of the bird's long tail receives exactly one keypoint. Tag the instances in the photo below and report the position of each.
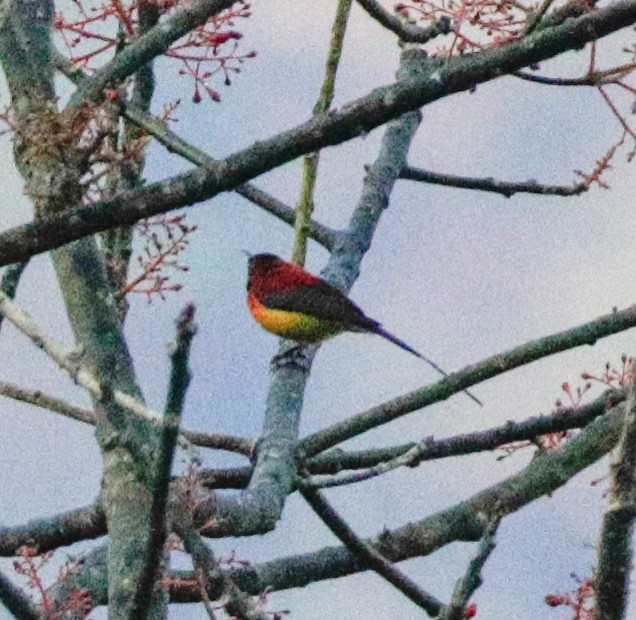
(400, 343)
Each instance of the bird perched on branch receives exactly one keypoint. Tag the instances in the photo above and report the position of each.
(292, 303)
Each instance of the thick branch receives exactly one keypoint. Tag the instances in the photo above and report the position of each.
(442, 77)
(259, 507)
(467, 520)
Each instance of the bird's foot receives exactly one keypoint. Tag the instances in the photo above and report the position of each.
(296, 355)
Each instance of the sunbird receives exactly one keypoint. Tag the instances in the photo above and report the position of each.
(292, 303)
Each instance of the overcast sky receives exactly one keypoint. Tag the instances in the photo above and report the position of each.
(459, 275)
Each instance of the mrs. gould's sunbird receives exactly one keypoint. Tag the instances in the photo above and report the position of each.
(292, 303)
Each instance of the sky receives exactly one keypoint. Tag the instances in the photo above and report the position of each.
(457, 274)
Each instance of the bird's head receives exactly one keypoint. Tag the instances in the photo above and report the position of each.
(260, 265)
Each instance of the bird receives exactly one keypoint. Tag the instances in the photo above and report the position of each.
(290, 302)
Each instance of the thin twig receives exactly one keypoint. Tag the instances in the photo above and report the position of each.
(146, 47)
(587, 333)
(535, 18)
(488, 184)
(215, 441)
(238, 604)
(68, 361)
(411, 455)
(468, 584)
(407, 32)
(369, 556)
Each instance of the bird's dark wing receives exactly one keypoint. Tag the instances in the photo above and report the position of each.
(323, 301)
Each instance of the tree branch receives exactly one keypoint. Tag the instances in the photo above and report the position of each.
(382, 461)
(587, 333)
(406, 31)
(54, 532)
(238, 604)
(468, 584)
(17, 601)
(69, 362)
(10, 280)
(214, 441)
(442, 77)
(465, 521)
(488, 184)
(368, 555)
(159, 130)
(305, 206)
(258, 508)
(179, 381)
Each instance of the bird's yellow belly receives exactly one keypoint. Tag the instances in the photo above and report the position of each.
(293, 325)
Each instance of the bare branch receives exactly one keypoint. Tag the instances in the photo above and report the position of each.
(239, 605)
(411, 455)
(214, 441)
(69, 361)
(10, 280)
(258, 508)
(468, 584)
(46, 401)
(368, 555)
(305, 206)
(158, 129)
(488, 184)
(533, 23)
(465, 521)
(585, 334)
(406, 31)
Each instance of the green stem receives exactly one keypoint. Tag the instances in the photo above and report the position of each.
(305, 205)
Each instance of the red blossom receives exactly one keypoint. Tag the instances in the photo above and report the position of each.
(210, 49)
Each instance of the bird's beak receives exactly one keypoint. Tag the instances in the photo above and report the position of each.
(248, 254)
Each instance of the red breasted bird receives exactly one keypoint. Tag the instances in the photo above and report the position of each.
(292, 303)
